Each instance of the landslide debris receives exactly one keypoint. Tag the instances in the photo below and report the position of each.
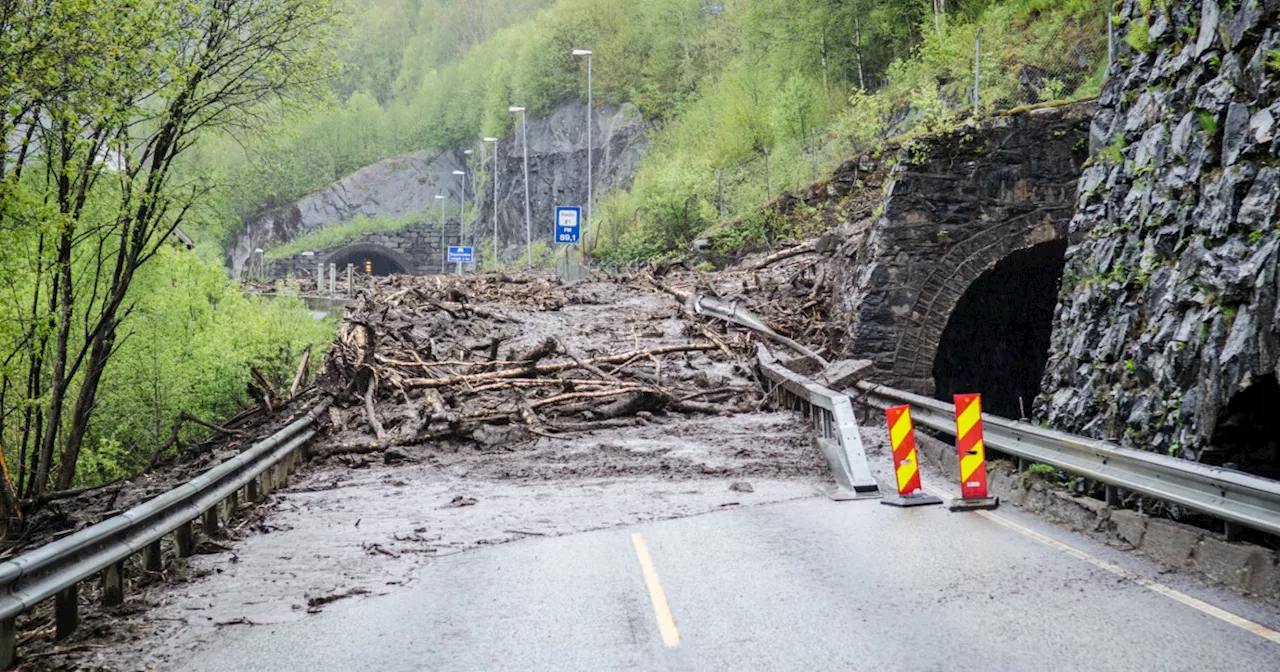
(499, 359)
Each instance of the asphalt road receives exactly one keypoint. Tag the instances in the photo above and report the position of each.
(804, 585)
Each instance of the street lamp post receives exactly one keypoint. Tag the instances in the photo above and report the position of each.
(462, 204)
(590, 165)
(528, 223)
(474, 201)
(444, 247)
(495, 198)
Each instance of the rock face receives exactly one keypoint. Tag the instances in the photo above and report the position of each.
(1168, 304)
(956, 206)
(558, 168)
(400, 186)
(409, 184)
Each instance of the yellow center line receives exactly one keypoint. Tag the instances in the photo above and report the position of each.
(1155, 587)
(661, 610)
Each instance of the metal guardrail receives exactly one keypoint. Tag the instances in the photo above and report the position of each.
(55, 569)
(833, 421)
(1233, 496)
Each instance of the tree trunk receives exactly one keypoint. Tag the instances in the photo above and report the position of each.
(58, 383)
(85, 401)
(857, 50)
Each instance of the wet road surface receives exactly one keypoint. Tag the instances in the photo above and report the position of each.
(802, 585)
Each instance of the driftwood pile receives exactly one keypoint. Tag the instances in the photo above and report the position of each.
(491, 358)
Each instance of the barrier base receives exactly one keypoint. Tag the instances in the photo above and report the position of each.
(913, 499)
(839, 493)
(974, 503)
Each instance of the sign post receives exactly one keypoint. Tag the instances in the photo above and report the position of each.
(568, 229)
(461, 254)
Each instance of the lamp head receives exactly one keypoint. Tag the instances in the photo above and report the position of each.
(515, 108)
(467, 152)
(439, 197)
(581, 52)
(490, 139)
(459, 172)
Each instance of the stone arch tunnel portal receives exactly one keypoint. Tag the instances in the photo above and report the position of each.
(996, 341)
(371, 259)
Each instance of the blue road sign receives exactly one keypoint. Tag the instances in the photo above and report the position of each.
(568, 224)
(461, 255)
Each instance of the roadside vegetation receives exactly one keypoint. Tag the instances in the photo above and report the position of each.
(110, 328)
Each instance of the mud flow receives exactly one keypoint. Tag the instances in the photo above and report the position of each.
(487, 410)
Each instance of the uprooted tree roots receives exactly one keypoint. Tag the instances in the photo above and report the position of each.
(430, 359)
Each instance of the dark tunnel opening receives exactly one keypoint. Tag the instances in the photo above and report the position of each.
(1247, 432)
(996, 341)
(367, 260)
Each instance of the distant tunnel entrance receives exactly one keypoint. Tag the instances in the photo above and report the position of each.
(1248, 431)
(996, 341)
(372, 259)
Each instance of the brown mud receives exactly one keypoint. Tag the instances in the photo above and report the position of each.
(460, 465)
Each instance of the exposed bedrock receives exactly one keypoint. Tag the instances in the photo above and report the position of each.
(409, 184)
(1165, 336)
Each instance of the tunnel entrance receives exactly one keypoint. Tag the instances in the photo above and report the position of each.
(371, 259)
(1247, 432)
(996, 341)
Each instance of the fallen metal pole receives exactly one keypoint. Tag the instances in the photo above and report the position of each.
(730, 312)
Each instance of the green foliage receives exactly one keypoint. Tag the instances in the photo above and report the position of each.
(1113, 154)
(1139, 36)
(107, 330)
(1208, 122)
(342, 234)
(188, 348)
(1273, 59)
(1053, 90)
(722, 88)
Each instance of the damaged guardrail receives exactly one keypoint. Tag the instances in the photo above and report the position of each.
(1236, 497)
(56, 569)
(831, 412)
(833, 421)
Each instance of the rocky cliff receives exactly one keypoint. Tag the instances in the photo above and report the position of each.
(1166, 332)
(409, 183)
(558, 167)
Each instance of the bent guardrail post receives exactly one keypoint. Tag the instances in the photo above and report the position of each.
(57, 568)
(837, 430)
(1230, 495)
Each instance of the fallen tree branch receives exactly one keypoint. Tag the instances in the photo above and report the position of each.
(804, 248)
(543, 369)
(303, 369)
(370, 411)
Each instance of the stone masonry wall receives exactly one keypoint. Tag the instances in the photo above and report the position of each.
(1168, 305)
(955, 205)
(416, 246)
